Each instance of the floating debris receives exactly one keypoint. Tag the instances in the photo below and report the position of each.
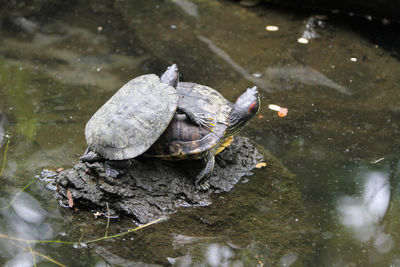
(260, 165)
(274, 107)
(377, 160)
(368, 17)
(321, 17)
(385, 21)
(97, 214)
(353, 59)
(282, 112)
(311, 27)
(302, 40)
(272, 28)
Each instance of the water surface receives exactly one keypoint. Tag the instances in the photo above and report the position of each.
(340, 138)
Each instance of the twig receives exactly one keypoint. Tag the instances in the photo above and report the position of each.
(28, 241)
(124, 233)
(5, 156)
(33, 255)
(33, 252)
(82, 235)
(48, 258)
(35, 241)
(108, 220)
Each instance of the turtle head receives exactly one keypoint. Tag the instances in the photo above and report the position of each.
(245, 107)
(171, 76)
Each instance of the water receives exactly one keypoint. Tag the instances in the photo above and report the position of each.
(340, 138)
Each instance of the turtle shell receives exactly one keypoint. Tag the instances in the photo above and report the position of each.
(132, 119)
(182, 139)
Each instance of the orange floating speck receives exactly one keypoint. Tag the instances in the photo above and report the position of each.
(260, 165)
(282, 112)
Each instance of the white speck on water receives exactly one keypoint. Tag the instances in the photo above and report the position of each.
(173, 26)
(302, 40)
(257, 75)
(272, 28)
(353, 59)
(274, 107)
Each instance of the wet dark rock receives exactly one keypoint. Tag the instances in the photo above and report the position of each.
(151, 188)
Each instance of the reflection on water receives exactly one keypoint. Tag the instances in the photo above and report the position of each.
(214, 254)
(278, 77)
(242, 71)
(72, 55)
(362, 215)
(25, 219)
(302, 74)
(2, 131)
(218, 255)
(189, 7)
(288, 259)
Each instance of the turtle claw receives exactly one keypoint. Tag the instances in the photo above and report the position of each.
(203, 121)
(204, 186)
(110, 172)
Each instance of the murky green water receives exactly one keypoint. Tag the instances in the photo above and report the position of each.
(340, 138)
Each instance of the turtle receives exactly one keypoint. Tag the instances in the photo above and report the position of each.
(133, 119)
(183, 140)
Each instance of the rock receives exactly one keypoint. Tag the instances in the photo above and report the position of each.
(151, 188)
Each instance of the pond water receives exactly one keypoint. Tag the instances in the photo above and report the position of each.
(340, 138)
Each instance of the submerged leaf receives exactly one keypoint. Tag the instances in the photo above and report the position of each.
(70, 199)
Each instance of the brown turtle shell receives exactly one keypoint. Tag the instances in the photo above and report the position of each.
(182, 139)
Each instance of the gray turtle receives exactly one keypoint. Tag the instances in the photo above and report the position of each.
(133, 119)
(182, 140)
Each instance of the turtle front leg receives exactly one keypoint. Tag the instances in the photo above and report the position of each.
(116, 167)
(90, 156)
(205, 173)
(198, 118)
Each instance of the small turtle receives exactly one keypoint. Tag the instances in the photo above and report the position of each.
(183, 140)
(133, 119)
